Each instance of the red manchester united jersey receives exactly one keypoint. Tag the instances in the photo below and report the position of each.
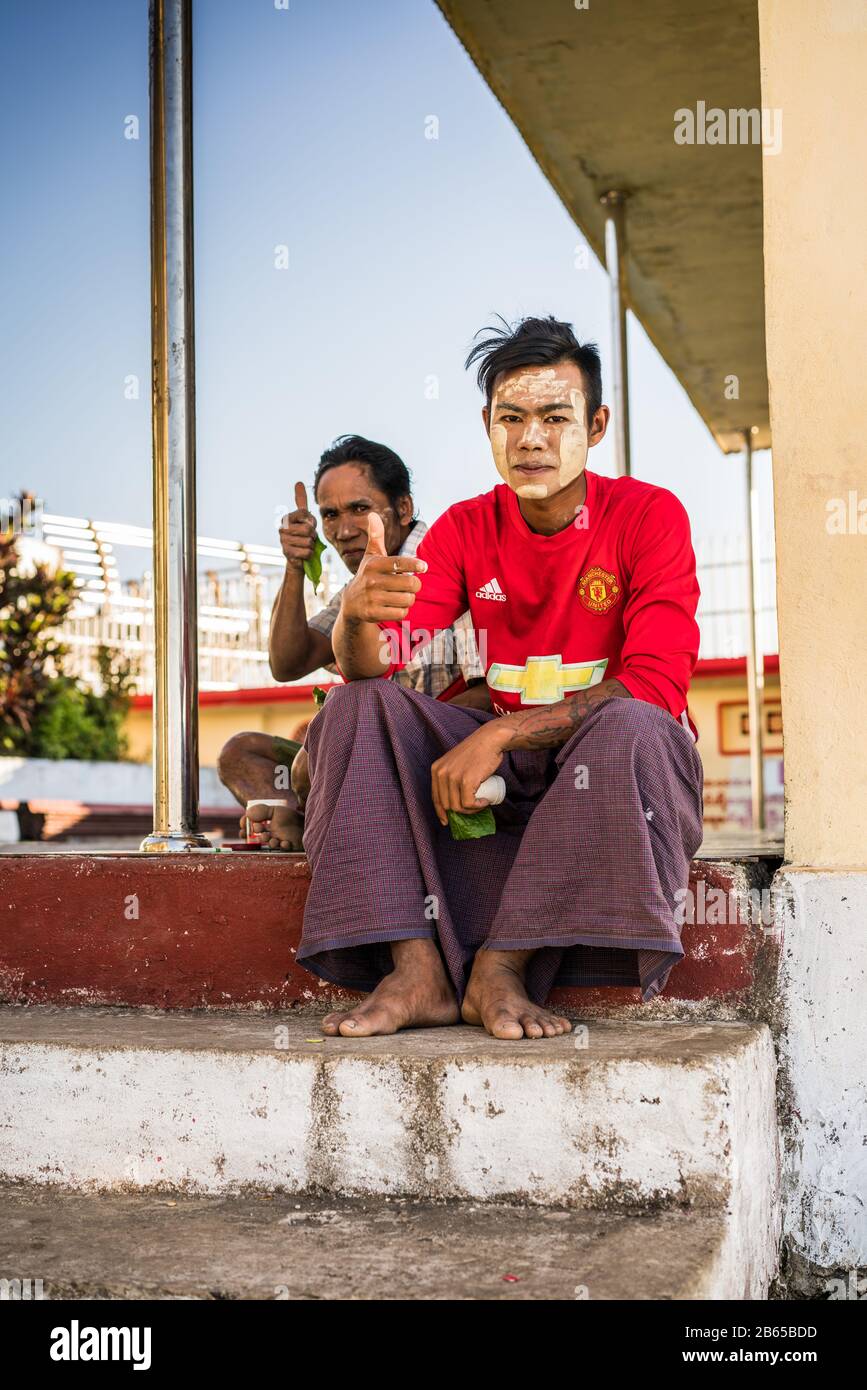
(612, 595)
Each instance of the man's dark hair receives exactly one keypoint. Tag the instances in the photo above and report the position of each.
(535, 343)
(388, 470)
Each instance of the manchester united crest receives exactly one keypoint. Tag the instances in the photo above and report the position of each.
(598, 590)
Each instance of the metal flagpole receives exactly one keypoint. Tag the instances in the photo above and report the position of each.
(755, 657)
(176, 735)
(615, 261)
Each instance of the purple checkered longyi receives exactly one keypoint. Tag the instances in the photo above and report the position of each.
(593, 842)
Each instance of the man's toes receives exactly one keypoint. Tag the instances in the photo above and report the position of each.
(357, 1028)
(531, 1026)
(332, 1020)
(554, 1025)
(506, 1026)
(363, 1023)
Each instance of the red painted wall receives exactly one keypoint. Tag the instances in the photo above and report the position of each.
(221, 931)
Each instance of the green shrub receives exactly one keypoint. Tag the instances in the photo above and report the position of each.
(73, 722)
(43, 713)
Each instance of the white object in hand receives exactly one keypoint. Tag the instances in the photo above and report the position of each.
(492, 790)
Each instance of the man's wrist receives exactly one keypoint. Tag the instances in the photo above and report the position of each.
(499, 732)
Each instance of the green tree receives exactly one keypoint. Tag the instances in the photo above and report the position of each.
(44, 713)
(33, 604)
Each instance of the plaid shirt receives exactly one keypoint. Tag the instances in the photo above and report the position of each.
(448, 657)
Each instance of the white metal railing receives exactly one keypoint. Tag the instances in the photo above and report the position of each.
(722, 609)
(238, 584)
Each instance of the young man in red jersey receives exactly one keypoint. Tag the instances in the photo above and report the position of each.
(582, 591)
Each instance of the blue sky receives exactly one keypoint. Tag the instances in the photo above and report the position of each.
(310, 133)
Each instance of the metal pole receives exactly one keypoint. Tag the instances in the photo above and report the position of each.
(755, 657)
(176, 735)
(615, 261)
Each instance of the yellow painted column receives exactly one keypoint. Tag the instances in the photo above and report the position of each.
(814, 70)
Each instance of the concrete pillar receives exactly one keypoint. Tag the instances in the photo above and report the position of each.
(813, 62)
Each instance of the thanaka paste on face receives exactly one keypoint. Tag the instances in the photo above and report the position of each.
(534, 389)
(498, 448)
(573, 442)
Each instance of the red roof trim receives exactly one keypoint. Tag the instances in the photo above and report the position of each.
(264, 695)
(734, 666)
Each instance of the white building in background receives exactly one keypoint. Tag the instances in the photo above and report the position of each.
(238, 583)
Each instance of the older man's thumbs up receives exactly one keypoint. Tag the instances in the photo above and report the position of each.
(298, 531)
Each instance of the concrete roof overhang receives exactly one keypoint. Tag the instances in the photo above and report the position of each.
(594, 94)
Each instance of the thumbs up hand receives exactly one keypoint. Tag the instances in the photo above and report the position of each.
(298, 531)
(385, 586)
(375, 536)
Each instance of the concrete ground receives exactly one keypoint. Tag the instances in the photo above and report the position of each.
(171, 1246)
(717, 844)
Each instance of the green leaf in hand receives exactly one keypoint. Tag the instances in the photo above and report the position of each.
(313, 566)
(285, 749)
(471, 827)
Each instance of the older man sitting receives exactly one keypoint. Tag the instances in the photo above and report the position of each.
(355, 479)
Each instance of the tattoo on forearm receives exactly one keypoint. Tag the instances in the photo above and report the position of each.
(549, 726)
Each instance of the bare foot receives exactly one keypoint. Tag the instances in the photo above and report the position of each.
(281, 827)
(417, 994)
(496, 999)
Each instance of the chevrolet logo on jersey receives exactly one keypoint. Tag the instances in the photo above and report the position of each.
(543, 680)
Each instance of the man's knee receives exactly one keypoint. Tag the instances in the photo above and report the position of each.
(625, 725)
(636, 716)
(354, 704)
(362, 694)
(237, 750)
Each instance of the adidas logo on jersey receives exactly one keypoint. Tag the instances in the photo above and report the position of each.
(491, 590)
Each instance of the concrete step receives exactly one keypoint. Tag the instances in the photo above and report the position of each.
(636, 1118)
(146, 1246)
